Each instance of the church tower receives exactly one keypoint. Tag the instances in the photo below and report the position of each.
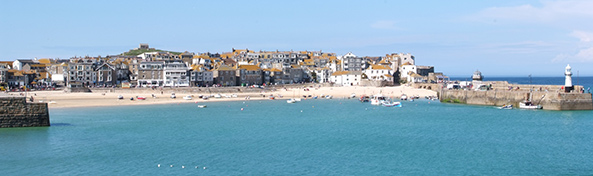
(568, 81)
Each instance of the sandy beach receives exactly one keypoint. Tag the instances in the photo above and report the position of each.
(61, 99)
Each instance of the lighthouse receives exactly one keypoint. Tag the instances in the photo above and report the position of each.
(568, 81)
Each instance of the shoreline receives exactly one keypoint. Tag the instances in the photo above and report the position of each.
(61, 99)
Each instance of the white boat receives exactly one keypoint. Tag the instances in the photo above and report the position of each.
(505, 107)
(201, 106)
(328, 97)
(187, 97)
(291, 100)
(529, 105)
(217, 96)
(173, 95)
(120, 97)
(391, 104)
(404, 97)
(378, 99)
(297, 99)
(353, 95)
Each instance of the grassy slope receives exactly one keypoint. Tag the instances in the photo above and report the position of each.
(140, 51)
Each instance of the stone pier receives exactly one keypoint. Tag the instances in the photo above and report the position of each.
(17, 112)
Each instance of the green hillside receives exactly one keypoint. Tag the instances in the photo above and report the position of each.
(136, 52)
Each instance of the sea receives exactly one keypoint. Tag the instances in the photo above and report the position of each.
(337, 136)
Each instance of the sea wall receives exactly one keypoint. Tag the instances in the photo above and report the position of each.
(548, 100)
(16, 112)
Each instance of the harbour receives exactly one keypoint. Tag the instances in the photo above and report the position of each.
(272, 137)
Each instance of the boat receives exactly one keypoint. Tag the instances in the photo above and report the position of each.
(328, 97)
(141, 98)
(120, 97)
(529, 105)
(173, 95)
(364, 98)
(201, 106)
(187, 97)
(353, 95)
(378, 99)
(391, 104)
(297, 99)
(217, 96)
(505, 107)
(292, 100)
(404, 97)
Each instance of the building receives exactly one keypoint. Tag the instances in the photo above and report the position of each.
(379, 73)
(81, 72)
(175, 74)
(200, 76)
(225, 76)
(250, 75)
(106, 75)
(346, 78)
(150, 73)
(351, 62)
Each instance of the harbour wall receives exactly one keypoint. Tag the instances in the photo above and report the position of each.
(16, 112)
(548, 100)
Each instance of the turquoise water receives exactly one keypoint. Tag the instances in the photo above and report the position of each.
(312, 137)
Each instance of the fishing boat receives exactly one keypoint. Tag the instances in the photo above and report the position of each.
(201, 106)
(391, 104)
(529, 105)
(378, 99)
(292, 100)
(187, 97)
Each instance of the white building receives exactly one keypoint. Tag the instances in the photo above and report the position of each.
(406, 72)
(175, 73)
(346, 78)
(379, 73)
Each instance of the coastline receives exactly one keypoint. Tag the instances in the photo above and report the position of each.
(61, 99)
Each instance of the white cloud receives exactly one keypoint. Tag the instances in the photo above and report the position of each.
(584, 51)
(384, 24)
(583, 36)
(549, 11)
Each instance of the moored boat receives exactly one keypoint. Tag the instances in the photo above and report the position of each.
(529, 105)
(378, 99)
(505, 107)
(292, 100)
(187, 97)
(201, 106)
(391, 104)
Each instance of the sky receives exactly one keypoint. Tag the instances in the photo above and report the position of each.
(499, 38)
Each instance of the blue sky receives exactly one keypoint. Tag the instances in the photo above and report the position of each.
(499, 38)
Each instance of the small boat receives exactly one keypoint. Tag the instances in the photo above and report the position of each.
(187, 97)
(292, 100)
(364, 99)
(328, 97)
(404, 97)
(173, 95)
(217, 96)
(529, 105)
(353, 95)
(378, 99)
(391, 104)
(201, 106)
(505, 107)
(141, 98)
(120, 97)
(297, 99)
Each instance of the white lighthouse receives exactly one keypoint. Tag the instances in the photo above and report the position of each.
(568, 81)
